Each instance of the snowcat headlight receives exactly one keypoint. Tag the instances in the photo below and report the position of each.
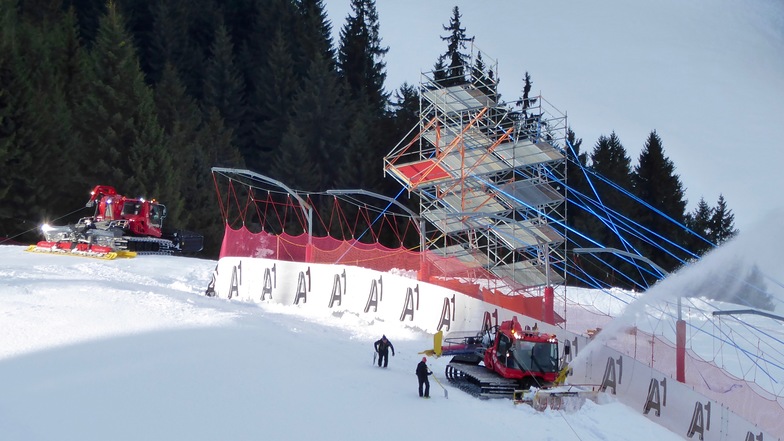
(46, 227)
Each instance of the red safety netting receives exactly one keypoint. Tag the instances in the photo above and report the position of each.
(284, 246)
(263, 221)
(443, 271)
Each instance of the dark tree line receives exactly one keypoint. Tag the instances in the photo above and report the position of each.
(148, 96)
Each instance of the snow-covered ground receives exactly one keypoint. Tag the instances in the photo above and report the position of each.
(132, 349)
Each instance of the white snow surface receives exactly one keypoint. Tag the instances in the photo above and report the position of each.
(131, 349)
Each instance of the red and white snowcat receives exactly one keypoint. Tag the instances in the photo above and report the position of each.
(120, 227)
(507, 361)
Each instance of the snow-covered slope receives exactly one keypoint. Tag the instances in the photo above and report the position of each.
(132, 350)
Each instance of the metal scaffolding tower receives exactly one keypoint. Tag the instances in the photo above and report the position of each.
(490, 176)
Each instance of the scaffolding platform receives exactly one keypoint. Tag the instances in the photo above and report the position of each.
(489, 176)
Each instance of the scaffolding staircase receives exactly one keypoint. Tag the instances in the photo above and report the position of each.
(490, 177)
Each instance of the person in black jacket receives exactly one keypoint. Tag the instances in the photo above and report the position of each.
(422, 372)
(382, 347)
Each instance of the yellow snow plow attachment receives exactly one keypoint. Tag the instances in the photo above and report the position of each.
(438, 339)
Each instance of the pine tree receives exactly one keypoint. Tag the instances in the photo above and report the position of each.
(269, 58)
(34, 119)
(577, 189)
(217, 138)
(117, 120)
(607, 206)
(528, 121)
(753, 291)
(72, 61)
(483, 78)
(89, 13)
(316, 132)
(439, 71)
(11, 99)
(181, 120)
(274, 99)
(360, 57)
(699, 222)
(224, 89)
(183, 34)
(40, 13)
(195, 142)
(454, 61)
(610, 160)
(357, 168)
(722, 222)
(315, 33)
(167, 41)
(405, 111)
(656, 183)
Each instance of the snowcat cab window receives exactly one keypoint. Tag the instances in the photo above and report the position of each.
(503, 346)
(156, 215)
(130, 208)
(545, 357)
(522, 355)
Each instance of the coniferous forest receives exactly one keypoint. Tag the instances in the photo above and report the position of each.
(148, 96)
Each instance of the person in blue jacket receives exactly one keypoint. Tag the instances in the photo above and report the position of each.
(382, 347)
(422, 372)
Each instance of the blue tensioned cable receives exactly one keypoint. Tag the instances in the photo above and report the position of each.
(603, 289)
(640, 201)
(599, 204)
(752, 357)
(627, 229)
(607, 220)
(623, 223)
(633, 222)
(762, 331)
(557, 222)
(626, 245)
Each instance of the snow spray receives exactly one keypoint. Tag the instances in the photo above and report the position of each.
(719, 272)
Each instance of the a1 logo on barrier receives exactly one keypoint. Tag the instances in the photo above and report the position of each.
(338, 289)
(751, 437)
(657, 396)
(270, 281)
(447, 313)
(303, 287)
(700, 420)
(236, 280)
(410, 303)
(613, 375)
(375, 295)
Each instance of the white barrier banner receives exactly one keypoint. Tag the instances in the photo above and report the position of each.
(384, 296)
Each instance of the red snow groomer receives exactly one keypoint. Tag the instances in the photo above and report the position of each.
(120, 227)
(512, 358)
(506, 361)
